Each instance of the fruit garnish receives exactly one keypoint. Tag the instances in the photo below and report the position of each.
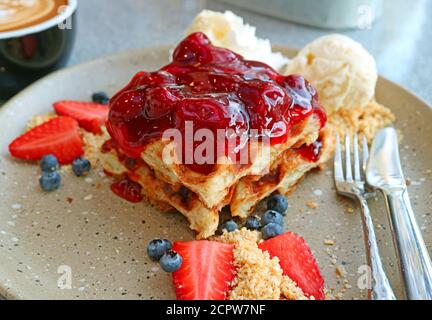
(278, 202)
(50, 181)
(58, 136)
(206, 272)
(100, 97)
(297, 262)
(271, 230)
(49, 163)
(157, 247)
(90, 116)
(253, 223)
(170, 261)
(81, 166)
(229, 226)
(271, 216)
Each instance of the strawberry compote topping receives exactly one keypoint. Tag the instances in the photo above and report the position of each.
(214, 88)
(311, 152)
(128, 190)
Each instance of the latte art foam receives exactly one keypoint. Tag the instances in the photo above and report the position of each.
(18, 14)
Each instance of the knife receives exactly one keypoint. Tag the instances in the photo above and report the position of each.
(384, 172)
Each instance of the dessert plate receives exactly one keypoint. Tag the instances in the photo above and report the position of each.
(83, 242)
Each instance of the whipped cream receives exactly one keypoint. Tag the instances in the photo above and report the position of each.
(229, 31)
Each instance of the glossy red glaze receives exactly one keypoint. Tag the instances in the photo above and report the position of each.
(214, 88)
(128, 190)
(311, 152)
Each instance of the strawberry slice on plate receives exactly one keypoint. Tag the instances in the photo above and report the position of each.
(297, 262)
(59, 136)
(206, 272)
(89, 115)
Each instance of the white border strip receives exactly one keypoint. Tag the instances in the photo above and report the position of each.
(70, 9)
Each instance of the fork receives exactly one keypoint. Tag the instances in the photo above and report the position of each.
(355, 188)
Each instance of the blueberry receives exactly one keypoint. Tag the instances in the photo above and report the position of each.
(253, 223)
(271, 216)
(157, 247)
(171, 261)
(229, 226)
(278, 203)
(50, 181)
(81, 166)
(100, 97)
(49, 163)
(271, 230)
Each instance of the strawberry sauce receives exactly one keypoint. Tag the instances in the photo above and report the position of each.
(128, 190)
(214, 88)
(311, 152)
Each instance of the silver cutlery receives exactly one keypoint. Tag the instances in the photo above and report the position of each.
(354, 187)
(384, 173)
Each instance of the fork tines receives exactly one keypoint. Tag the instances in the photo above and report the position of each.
(338, 163)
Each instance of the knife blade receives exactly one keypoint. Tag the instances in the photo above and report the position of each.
(384, 173)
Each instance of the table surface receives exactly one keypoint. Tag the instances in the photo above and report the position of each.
(400, 41)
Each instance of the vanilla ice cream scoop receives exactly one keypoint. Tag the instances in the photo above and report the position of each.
(229, 31)
(343, 72)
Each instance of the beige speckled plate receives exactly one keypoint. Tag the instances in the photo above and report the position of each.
(102, 238)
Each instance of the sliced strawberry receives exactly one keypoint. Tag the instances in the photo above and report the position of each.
(59, 136)
(206, 272)
(297, 262)
(89, 115)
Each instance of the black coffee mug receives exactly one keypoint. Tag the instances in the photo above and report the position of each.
(30, 53)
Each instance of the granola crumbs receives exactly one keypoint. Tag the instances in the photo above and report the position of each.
(93, 145)
(290, 291)
(329, 242)
(39, 119)
(362, 120)
(258, 276)
(338, 296)
(340, 271)
(329, 294)
(312, 204)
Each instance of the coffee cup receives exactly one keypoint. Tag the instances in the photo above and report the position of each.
(36, 37)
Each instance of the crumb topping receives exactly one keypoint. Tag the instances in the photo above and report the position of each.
(39, 119)
(93, 145)
(362, 120)
(312, 204)
(258, 276)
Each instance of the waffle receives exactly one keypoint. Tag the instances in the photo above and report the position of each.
(212, 189)
(164, 196)
(242, 197)
(283, 177)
